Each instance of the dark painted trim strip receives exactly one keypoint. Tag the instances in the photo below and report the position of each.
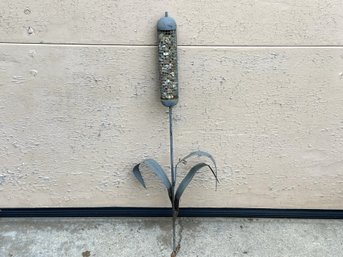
(166, 212)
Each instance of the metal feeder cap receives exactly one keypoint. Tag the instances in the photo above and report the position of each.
(166, 23)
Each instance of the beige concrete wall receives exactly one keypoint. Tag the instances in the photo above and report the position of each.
(261, 89)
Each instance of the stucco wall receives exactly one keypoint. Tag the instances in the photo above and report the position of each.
(261, 87)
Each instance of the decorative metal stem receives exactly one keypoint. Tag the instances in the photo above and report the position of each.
(172, 170)
(173, 173)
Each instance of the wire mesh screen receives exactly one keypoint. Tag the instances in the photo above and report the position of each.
(167, 51)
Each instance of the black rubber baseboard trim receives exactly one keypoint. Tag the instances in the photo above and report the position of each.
(166, 212)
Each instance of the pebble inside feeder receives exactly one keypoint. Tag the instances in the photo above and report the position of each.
(169, 93)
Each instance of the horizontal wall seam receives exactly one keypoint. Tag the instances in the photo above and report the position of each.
(182, 46)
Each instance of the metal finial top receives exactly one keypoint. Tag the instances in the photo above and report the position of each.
(166, 23)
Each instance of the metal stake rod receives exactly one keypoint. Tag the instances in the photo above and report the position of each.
(173, 173)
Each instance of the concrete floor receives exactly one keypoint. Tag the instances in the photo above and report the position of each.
(150, 237)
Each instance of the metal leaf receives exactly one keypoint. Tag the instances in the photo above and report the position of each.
(199, 154)
(156, 169)
(138, 175)
(188, 178)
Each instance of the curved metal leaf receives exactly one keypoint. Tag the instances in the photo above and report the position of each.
(188, 178)
(138, 175)
(199, 154)
(156, 169)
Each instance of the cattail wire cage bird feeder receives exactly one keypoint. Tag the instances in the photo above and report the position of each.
(169, 94)
(167, 60)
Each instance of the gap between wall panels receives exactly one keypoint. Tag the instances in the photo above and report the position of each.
(182, 46)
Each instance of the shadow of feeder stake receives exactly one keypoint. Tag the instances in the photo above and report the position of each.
(169, 89)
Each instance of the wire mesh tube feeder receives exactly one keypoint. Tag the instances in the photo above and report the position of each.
(169, 90)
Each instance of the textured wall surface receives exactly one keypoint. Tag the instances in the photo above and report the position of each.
(261, 87)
